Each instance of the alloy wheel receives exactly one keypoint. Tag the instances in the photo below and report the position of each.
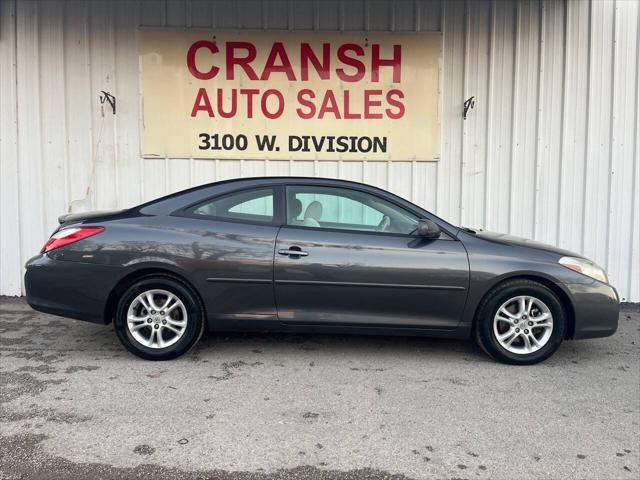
(157, 318)
(523, 324)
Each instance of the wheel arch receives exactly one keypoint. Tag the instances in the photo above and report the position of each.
(132, 277)
(564, 297)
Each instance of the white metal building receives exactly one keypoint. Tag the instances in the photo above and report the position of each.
(550, 150)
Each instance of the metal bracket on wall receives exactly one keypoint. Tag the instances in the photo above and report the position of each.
(468, 103)
(110, 99)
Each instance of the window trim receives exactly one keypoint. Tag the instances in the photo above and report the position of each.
(348, 230)
(278, 207)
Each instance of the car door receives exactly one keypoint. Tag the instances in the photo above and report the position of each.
(232, 238)
(348, 257)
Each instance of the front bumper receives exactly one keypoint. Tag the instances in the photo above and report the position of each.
(596, 307)
(69, 289)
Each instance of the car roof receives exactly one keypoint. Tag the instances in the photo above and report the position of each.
(181, 199)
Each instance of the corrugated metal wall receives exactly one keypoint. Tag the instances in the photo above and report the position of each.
(549, 152)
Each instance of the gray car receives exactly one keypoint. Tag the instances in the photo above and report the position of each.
(294, 254)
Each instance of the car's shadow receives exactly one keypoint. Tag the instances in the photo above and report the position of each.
(353, 345)
(24, 330)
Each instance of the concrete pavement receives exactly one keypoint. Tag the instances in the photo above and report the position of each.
(75, 404)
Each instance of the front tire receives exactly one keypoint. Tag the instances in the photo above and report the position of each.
(520, 322)
(159, 317)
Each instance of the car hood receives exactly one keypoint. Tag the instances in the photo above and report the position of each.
(511, 240)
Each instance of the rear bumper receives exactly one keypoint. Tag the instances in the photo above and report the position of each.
(69, 289)
(596, 307)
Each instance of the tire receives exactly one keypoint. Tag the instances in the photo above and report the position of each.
(545, 323)
(177, 328)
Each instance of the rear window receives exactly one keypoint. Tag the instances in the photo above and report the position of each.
(248, 205)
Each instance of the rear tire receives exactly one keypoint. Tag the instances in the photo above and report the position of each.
(520, 322)
(159, 317)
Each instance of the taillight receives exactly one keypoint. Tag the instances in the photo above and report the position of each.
(67, 236)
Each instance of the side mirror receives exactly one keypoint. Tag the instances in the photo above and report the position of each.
(428, 229)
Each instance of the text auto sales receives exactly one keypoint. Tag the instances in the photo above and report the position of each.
(354, 64)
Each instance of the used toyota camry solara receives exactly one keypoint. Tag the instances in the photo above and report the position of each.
(313, 255)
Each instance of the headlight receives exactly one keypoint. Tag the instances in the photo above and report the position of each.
(585, 267)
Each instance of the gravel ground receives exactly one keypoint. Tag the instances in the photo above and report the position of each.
(74, 404)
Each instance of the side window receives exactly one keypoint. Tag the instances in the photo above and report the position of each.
(343, 208)
(248, 205)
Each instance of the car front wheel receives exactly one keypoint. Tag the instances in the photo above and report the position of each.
(520, 322)
(159, 318)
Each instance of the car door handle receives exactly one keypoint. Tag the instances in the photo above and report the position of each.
(293, 252)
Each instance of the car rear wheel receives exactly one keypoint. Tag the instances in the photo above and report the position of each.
(520, 322)
(159, 318)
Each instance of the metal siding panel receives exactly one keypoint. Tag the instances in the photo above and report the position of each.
(430, 14)
(351, 171)
(78, 92)
(250, 14)
(278, 167)
(399, 172)
(380, 15)
(624, 156)
(404, 14)
(200, 13)
(253, 168)
(277, 14)
(225, 14)
(633, 294)
(449, 168)
(52, 111)
(425, 179)
(550, 123)
(176, 13)
(526, 78)
(31, 178)
(204, 171)
(328, 14)
(102, 51)
(499, 160)
(376, 173)
(475, 127)
(10, 218)
(327, 169)
(598, 132)
(152, 13)
(302, 168)
(574, 127)
(155, 174)
(301, 13)
(354, 16)
(127, 120)
(178, 177)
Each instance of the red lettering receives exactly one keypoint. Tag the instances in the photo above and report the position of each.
(395, 103)
(346, 103)
(350, 61)
(249, 92)
(263, 103)
(202, 103)
(277, 50)
(307, 55)
(191, 60)
(377, 62)
(329, 104)
(234, 104)
(302, 100)
(368, 103)
(242, 62)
